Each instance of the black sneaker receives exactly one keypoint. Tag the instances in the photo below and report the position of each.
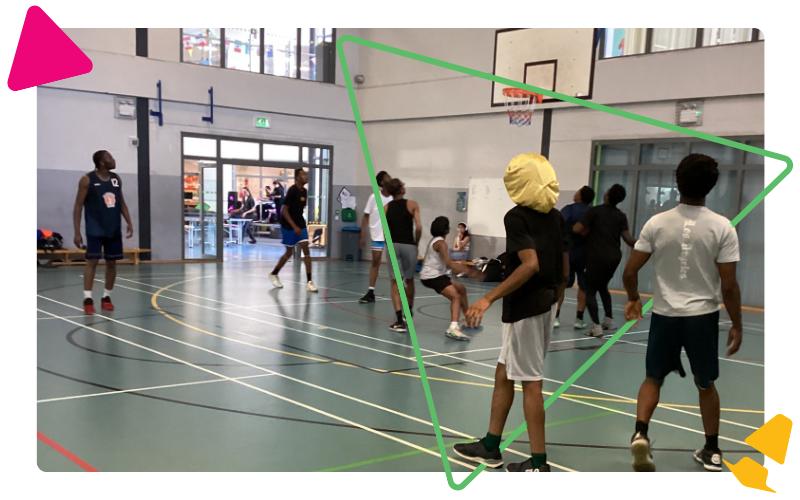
(527, 466)
(711, 459)
(642, 457)
(399, 326)
(369, 298)
(477, 452)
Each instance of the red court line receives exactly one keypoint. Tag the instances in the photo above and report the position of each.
(73, 458)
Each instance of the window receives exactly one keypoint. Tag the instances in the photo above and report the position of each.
(239, 150)
(629, 41)
(202, 46)
(243, 49)
(195, 146)
(663, 153)
(280, 51)
(302, 53)
(317, 156)
(278, 152)
(721, 36)
(625, 41)
(673, 39)
(316, 55)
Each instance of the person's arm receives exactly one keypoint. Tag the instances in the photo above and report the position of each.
(417, 222)
(252, 208)
(441, 248)
(364, 226)
(457, 244)
(627, 238)
(83, 190)
(630, 278)
(733, 304)
(582, 227)
(565, 265)
(526, 270)
(125, 214)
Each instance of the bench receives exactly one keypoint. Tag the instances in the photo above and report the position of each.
(68, 254)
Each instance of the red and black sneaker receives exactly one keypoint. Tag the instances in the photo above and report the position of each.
(106, 304)
(88, 306)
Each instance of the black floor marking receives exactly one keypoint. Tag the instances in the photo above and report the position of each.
(72, 341)
(345, 426)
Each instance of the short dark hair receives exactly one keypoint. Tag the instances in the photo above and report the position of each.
(297, 171)
(98, 157)
(440, 226)
(587, 194)
(394, 187)
(380, 176)
(697, 175)
(616, 194)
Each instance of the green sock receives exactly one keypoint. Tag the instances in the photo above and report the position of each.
(538, 459)
(491, 442)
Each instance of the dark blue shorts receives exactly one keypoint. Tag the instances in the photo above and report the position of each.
(106, 248)
(698, 335)
(290, 239)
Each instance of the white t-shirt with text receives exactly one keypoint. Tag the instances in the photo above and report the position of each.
(371, 209)
(686, 244)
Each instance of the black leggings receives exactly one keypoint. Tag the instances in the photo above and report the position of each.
(248, 228)
(599, 271)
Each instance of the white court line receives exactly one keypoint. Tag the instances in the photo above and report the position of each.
(303, 382)
(278, 396)
(142, 389)
(406, 346)
(70, 317)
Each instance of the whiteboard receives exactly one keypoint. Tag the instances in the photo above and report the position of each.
(487, 205)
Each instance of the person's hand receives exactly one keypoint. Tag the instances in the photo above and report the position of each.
(734, 341)
(129, 232)
(633, 310)
(298, 231)
(78, 241)
(475, 313)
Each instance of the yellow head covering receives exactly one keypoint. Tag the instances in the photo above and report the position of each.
(531, 182)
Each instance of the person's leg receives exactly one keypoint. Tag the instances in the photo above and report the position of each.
(284, 258)
(375, 268)
(399, 325)
(502, 399)
(647, 401)
(88, 277)
(451, 293)
(462, 297)
(248, 228)
(111, 275)
(709, 409)
(591, 304)
(605, 296)
(533, 405)
(410, 294)
(306, 258)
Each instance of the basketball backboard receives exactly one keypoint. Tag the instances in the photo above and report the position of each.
(557, 59)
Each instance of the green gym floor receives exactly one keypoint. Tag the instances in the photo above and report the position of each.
(205, 367)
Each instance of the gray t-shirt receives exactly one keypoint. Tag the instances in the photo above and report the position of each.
(686, 244)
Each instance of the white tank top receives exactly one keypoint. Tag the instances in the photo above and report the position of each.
(433, 266)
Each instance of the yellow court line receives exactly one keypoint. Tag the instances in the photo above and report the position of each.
(154, 302)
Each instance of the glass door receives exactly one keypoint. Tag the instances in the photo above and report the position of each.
(209, 221)
(317, 210)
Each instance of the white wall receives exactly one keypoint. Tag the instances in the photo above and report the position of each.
(114, 40)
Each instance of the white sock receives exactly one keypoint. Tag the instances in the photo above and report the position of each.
(87, 294)
(106, 293)
(372, 288)
(454, 325)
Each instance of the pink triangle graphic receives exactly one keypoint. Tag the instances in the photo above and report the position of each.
(45, 54)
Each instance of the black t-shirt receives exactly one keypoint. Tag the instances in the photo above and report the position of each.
(606, 225)
(277, 194)
(546, 233)
(295, 203)
(248, 204)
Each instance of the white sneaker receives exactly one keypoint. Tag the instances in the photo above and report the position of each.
(557, 324)
(608, 324)
(595, 331)
(311, 287)
(580, 324)
(456, 334)
(275, 281)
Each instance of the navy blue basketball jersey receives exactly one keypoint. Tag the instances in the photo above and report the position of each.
(103, 206)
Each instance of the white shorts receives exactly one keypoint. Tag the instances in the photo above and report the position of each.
(525, 345)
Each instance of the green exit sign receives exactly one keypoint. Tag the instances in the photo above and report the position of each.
(262, 122)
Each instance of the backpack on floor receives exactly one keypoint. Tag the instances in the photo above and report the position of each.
(494, 270)
(48, 240)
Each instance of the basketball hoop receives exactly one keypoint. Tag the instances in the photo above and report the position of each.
(520, 105)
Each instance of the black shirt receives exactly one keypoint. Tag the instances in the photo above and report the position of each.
(606, 225)
(277, 194)
(248, 204)
(295, 203)
(400, 222)
(572, 215)
(528, 229)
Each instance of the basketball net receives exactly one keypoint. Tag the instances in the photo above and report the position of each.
(520, 105)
